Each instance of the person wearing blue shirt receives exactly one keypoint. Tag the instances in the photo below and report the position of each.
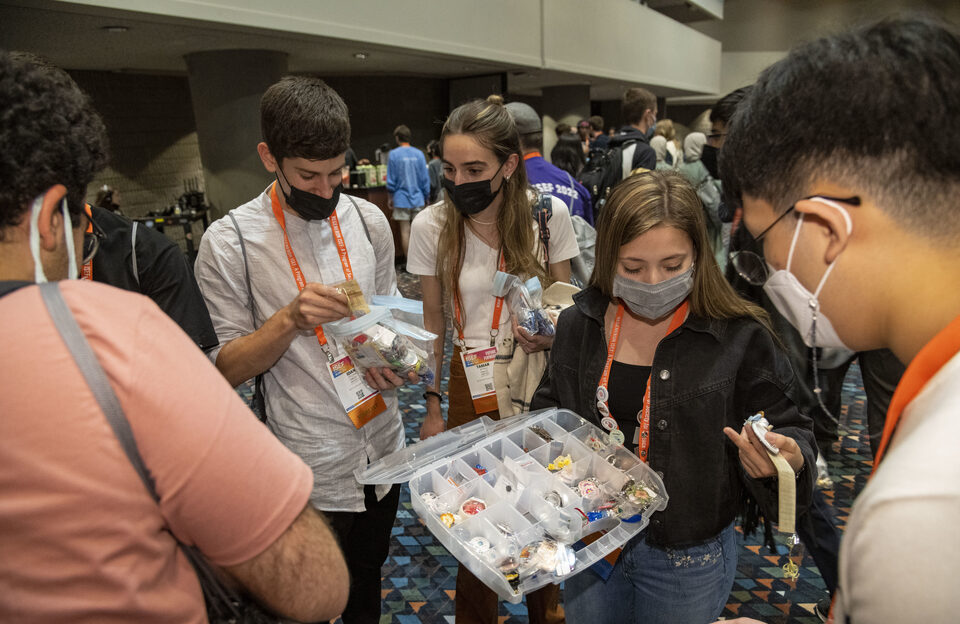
(407, 182)
(543, 176)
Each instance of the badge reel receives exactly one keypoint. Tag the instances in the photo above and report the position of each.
(609, 423)
(761, 426)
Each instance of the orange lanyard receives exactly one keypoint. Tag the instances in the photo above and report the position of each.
(497, 309)
(532, 155)
(603, 393)
(932, 357)
(86, 272)
(295, 266)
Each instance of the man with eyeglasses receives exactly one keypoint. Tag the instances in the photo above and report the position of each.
(859, 230)
(82, 538)
(142, 260)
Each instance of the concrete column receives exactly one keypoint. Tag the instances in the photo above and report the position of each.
(462, 90)
(226, 86)
(566, 105)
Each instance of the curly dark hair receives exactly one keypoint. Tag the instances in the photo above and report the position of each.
(875, 106)
(50, 135)
(302, 117)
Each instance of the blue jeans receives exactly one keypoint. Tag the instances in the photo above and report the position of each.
(651, 585)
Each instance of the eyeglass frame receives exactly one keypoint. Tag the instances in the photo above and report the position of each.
(734, 255)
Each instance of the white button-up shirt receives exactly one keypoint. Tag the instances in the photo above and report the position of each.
(303, 408)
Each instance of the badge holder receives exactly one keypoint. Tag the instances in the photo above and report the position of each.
(361, 402)
(787, 496)
(478, 368)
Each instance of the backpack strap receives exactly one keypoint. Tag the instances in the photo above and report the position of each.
(363, 221)
(133, 253)
(626, 163)
(542, 213)
(103, 392)
(259, 400)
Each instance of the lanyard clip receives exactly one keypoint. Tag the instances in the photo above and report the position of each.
(493, 336)
(326, 351)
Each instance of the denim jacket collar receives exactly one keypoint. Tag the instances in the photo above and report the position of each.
(594, 304)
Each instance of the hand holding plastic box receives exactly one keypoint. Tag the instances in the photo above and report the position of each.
(510, 499)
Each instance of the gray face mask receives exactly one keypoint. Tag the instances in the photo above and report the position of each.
(653, 301)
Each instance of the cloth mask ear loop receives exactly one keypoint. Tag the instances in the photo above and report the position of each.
(849, 224)
(38, 275)
(793, 243)
(815, 305)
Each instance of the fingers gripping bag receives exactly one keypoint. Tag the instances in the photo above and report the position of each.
(526, 302)
(378, 340)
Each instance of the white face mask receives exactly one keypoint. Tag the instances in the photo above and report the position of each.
(38, 275)
(797, 304)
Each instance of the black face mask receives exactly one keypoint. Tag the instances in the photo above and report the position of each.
(309, 206)
(471, 197)
(709, 159)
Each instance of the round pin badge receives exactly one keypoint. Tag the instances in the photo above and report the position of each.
(603, 409)
(480, 544)
(472, 506)
(553, 498)
(589, 487)
(609, 423)
(617, 437)
(602, 394)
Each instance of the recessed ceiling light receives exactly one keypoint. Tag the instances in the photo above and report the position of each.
(361, 56)
(115, 29)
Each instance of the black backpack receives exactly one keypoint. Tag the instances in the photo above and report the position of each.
(603, 170)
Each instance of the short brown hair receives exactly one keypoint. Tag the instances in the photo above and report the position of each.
(402, 133)
(637, 101)
(596, 122)
(302, 117)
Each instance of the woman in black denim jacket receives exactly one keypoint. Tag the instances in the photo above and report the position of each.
(711, 362)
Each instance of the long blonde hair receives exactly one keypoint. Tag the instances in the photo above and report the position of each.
(644, 201)
(490, 125)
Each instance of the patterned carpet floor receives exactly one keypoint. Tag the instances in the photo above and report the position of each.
(419, 576)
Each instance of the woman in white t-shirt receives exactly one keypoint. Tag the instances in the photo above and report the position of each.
(485, 221)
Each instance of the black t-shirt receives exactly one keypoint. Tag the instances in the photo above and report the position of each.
(626, 386)
(165, 275)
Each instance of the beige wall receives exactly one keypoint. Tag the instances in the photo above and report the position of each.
(153, 139)
(628, 41)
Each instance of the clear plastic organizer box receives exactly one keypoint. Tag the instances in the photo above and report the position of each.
(511, 499)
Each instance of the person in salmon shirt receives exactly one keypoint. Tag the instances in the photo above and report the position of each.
(86, 537)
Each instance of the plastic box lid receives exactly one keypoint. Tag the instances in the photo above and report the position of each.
(493, 493)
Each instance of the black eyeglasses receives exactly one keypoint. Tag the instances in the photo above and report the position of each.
(91, 241)
(751, 266)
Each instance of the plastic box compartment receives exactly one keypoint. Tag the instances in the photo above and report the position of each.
(520, 535)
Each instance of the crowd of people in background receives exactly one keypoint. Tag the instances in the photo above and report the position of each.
(733, 270)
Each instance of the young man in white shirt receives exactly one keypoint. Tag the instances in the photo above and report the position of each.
(301, 238)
